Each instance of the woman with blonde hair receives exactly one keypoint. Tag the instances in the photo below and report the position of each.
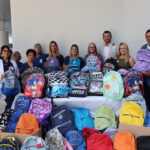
(54, 61)
(73, 60)
(125, 61)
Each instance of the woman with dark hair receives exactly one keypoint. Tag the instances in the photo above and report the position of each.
(5, 64)
(74, 55)
(30, 60)
(54, 61)
(17, 57)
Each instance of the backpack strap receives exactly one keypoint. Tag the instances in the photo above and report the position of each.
(67, 145)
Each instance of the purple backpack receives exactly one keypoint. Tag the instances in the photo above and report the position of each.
(41, 108)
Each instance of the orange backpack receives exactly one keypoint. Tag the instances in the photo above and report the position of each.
(124, 141)
(27, 124)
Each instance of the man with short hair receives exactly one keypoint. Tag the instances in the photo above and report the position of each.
(109, 50)
(40, 57)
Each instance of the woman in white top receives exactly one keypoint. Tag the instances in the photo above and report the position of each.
(5, 64)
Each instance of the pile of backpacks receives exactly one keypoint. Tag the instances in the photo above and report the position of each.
(63, 128)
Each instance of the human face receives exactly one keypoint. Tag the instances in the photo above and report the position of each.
(92, 49)
(74, 51)
(107, 38)
(148, 37)
(123, 50)
(16, 57)
(53, 48)
(37, 49)
(5, 53)
(30, 57)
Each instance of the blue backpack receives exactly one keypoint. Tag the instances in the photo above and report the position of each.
(34, 143)
(74, 64)
(83, 118)
(10, 143)
(75, 138)
(52, 64)
(10, 83)
(22, 105)
(62, 119)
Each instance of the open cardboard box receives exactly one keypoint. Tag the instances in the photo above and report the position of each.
(135, 130)
(20, 137)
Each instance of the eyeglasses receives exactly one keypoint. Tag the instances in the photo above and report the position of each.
(5, 51)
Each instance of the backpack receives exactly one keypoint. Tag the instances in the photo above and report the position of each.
(96, 83)
(10, 83)
(27, 124)
(30, 71)
(22, 105)
(99, 141)
(87, 132)
(113, 86)
(133, 82)
(41, 108)
(34, 143)
(143, 142)
(57, 84)
(74, 64)
(111, 132)
(62, 119)
(55, 141)
(75, 138)
(82, 118)
(104, 118)
(10, 143)
(131, 113)
(124, 141)
(110, 65)
(57, 78)
(52, 64)
(92, 64)
(34, 85)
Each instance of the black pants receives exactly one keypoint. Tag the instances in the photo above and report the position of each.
(9, 100)
(147, 91)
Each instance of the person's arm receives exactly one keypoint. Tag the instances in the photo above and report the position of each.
(147, 73)
(132, 62)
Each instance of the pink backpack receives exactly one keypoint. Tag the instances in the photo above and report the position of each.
(34, 85)
(41, 108)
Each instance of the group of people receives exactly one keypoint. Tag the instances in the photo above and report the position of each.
(36, 58)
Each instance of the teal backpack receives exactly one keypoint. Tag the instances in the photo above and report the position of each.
(104, 118)
(34, 143)
(113, 86)
(82, 118)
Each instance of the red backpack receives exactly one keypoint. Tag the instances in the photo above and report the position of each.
(34, 85)
(99, 141)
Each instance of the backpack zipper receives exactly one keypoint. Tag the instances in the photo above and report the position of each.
(59, 113)
(131, 115)
(63, 124)
(8, 145)
(103, 118)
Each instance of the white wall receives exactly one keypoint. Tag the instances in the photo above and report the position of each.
(77, 21)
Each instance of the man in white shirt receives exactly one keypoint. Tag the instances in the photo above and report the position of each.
(109, 49)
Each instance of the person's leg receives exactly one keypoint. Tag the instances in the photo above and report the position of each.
(9, 100)
(147, 91)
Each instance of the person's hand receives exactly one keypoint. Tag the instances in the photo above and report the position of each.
(3, 75)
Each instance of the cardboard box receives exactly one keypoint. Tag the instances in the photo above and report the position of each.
(20, 137)
(135, 130)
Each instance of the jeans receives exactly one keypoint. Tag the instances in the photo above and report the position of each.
(147, 90)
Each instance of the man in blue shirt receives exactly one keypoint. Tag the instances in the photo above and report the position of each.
(40, 58)
(146, 75)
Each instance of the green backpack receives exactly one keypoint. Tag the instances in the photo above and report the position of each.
(104, 118)
(113, 86)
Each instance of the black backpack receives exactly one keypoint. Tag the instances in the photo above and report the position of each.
(62, 119)
(143, 143)
(10, 143)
